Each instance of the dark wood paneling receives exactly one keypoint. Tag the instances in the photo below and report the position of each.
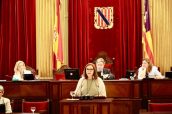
(155, 113)
(123, 89)
(126, 106)
(151, 88)
(96, 106)
(66, 87)
(159, 90)
(27, 89)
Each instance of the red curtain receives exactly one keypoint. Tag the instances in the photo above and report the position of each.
(17, 34)
(123, 41)
(130, 45)
(78, 33)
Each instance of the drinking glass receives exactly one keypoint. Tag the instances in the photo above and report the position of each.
(72, 93)
(33, 109)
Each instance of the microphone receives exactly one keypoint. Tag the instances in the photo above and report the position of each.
(146, 75)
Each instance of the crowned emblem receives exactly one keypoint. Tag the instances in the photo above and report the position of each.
(103, 17)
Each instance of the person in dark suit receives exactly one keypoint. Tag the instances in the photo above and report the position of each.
(104, 73)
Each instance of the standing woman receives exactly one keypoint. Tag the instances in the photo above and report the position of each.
(147, 69)
(90, 84)
(19, 69)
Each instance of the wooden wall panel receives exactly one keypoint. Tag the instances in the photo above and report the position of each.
(159, 89)
(96, 106)
(125, 106)
(66, 87)
(126, 93)
(123, 89)
(27, 89)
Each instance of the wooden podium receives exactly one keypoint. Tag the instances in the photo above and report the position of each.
(95, 106)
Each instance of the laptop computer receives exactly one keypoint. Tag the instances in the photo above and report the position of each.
(2, 108)
(129, 73)
(28, 77)
(72, 74)
(168, 74)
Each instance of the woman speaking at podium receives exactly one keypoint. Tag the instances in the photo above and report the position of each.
(90, 84)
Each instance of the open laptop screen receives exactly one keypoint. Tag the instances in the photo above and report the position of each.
(168, 74)
(72, 74)
(28, 77)
(2, 108)
(129, 73)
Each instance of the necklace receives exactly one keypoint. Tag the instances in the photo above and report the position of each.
(89, 85)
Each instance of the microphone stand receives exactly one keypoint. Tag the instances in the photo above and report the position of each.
(146, 75)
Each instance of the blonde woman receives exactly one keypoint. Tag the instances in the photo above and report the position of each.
(19, 70)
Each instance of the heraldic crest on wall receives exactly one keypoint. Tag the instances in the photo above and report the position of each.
(103, 17)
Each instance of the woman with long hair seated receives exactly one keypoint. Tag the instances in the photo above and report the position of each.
(19, 70)
(147, 70)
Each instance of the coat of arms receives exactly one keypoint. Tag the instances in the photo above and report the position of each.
(103, 17)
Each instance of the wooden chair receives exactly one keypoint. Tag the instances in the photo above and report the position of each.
(7, 77)
(34, 72)
(159, 107)
(159, 69)
(41, 106)
(109, 62)
(59, 74)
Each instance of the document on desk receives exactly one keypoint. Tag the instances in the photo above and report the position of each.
(71, 99)
(3, 80)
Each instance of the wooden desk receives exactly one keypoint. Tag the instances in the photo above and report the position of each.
(125, 92)
(125, 106)
(95, 106)
(157, 89)
(155, 113)
(23, 113)
(123, 88)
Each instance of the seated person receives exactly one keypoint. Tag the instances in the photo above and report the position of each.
(90, 84)
(4, 102)
(104, 72)
(148, 70)
(19, 70)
